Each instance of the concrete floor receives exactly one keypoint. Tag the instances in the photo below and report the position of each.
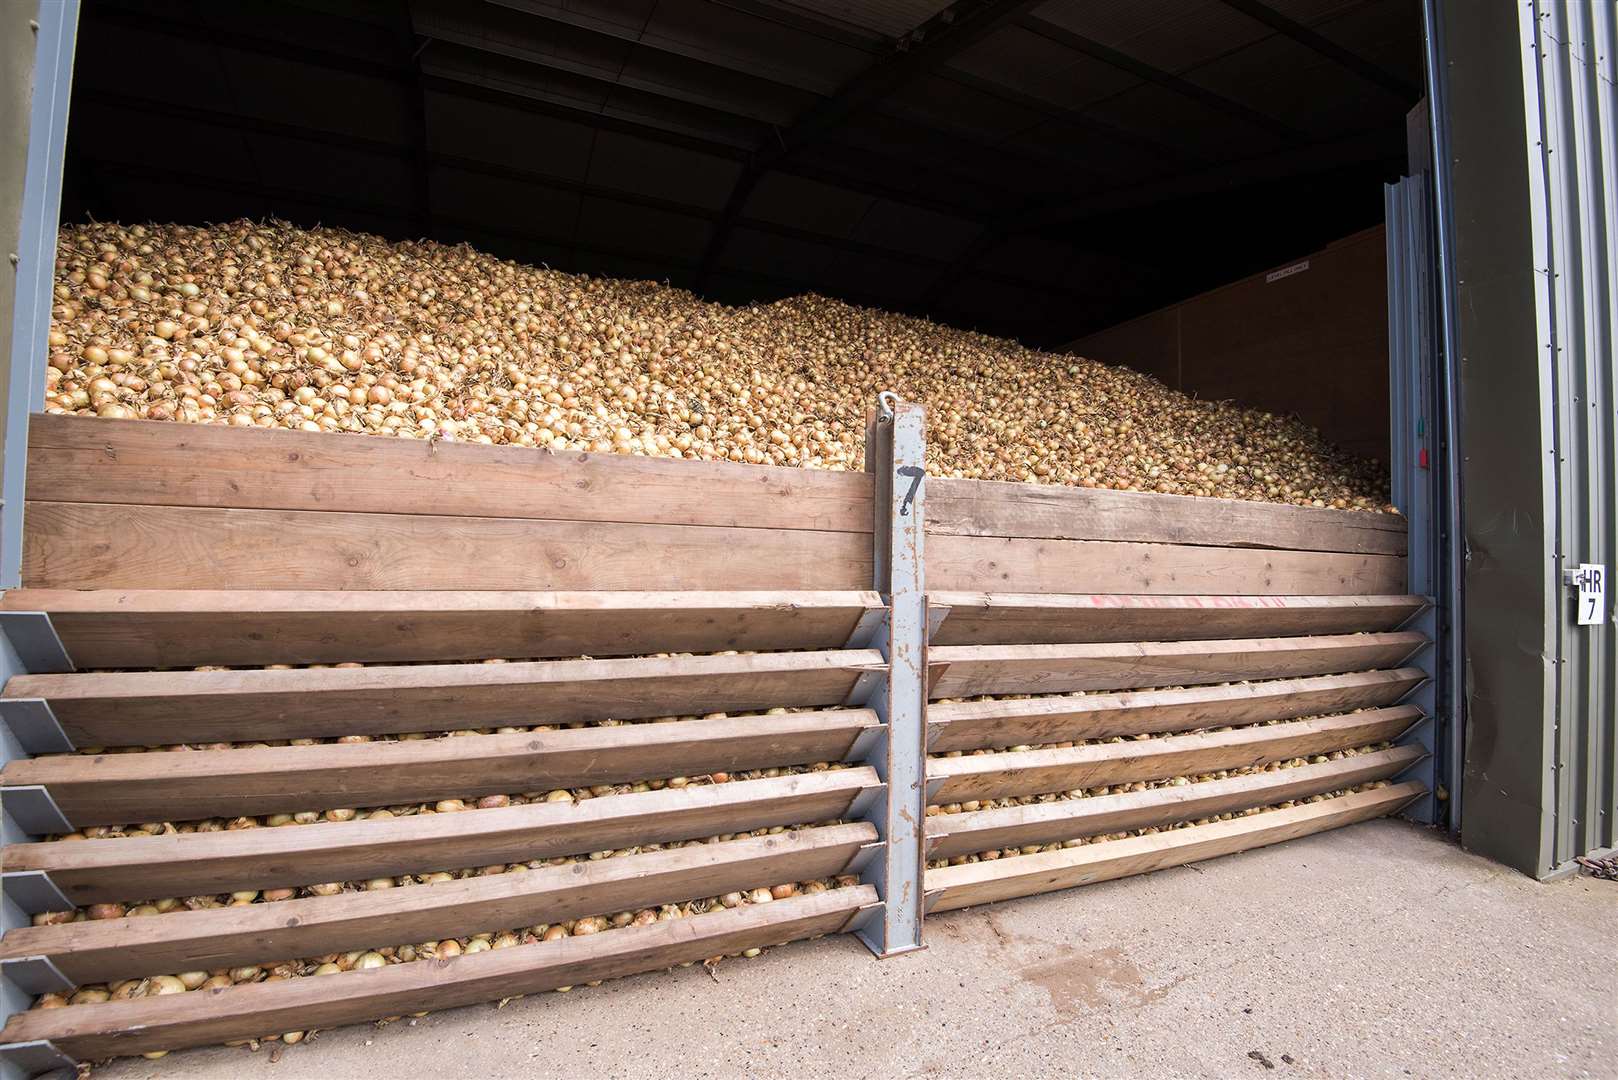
(1378, 950)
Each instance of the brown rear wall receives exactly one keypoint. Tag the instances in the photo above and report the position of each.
(1313, 343)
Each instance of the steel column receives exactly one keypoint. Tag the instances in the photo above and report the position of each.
(895, 441)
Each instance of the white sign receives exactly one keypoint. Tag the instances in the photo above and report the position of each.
(1592, 582)
(1286, 271)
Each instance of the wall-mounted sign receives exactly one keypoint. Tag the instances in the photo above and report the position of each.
(1591, 579)
(1286, 271)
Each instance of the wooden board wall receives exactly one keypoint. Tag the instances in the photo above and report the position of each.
(138, 504)
(1313, 342)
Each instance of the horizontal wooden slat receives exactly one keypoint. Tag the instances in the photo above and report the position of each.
(191, 864)
(993, 508)
(1046, 823)
(106, 789)
(87, 952)
(999, 564)
(977, 725)
(149, 708)
(1034, 772)
(1053, 618)
(111, 546)
(118, 628)
(970, 670)
(1024, 875)
(79, 459)
(240, 1012)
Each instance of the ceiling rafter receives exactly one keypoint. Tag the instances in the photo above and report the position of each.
(409, 154)
(931, 45)
(1061, 35)
(1318, 43)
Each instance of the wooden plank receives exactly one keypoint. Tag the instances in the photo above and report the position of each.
(89, 952)
(112, 546)
(977, 725)
(1034, 772)
(193, 864)
(131, 628)
(970, 670)
(1025, 875)
(109, 789)
(1053, 511)
(1001, 564)
(1013, 827)
(241, 1012)
(158, 708)
(80, 459)
(1056, 618)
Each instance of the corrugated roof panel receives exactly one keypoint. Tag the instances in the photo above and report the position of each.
(949, 106)
(1297, 85)
(475, 197)
(912, 229)
(890, 18)
(1171, 37)
(1039, 67)
(806, 204)
(529, 141)
(755, 43)
(610, 224)
(643, 166)
(1385, 32)
(774, 255)
(1158, 112)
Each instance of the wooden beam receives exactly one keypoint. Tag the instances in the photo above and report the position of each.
(1035, 772)
(91, 460)
(134, 628)
(1054, 618)
(194, 864)
(88, 952)
(976, 725)
(107, 789)
(113, 546)
(1058, 512)
(970, 670)
(950, 835)
(1025, 875)
(1016, 565)
(242, 1012)
(160, 708)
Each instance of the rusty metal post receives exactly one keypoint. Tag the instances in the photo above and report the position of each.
(894, 449)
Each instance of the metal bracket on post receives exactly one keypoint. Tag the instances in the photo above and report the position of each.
(37, 1058)
(31, 809)
(895, 445)
(34, 725)
(35, 975)
(38, 646)
(33, 891)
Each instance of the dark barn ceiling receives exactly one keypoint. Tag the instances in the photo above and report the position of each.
(1038, 169)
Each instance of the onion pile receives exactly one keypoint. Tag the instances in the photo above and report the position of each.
(1080, 841)
(268, 325)
(362, 959)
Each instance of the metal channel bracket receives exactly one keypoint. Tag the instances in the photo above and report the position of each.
(895, 442)
(35, 639)
(34, 726)
(36, 1058)
(34, 891)
(33, 810)
(35, 975)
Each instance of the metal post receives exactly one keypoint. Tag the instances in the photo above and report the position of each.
(49, 31)
(35, 258)
(895, 445)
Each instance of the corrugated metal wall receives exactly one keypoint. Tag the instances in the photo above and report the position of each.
(1570, 61)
